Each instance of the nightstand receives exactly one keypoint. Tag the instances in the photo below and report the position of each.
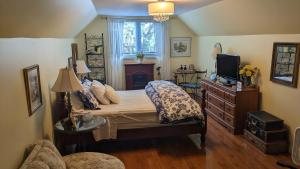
(65, 136)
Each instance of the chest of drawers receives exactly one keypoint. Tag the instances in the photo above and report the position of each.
(228, 106)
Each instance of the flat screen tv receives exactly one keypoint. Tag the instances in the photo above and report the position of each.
(228, 66)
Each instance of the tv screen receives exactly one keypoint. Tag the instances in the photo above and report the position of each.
(228, 66)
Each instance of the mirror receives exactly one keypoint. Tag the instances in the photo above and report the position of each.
(285, 63)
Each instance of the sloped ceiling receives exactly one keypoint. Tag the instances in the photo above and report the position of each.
(44, 18)
(139, 7)
(245, 17)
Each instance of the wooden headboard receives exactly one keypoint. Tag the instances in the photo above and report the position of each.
(74, 47)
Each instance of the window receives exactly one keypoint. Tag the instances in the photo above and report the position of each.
(139, 36)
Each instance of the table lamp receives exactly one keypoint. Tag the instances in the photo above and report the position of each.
(82, 68)
(67, 82)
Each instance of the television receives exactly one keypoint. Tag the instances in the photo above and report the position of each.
(228, 68)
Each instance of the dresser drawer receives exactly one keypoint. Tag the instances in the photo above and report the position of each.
(229, 119)
(215, 101)
(216, 91)
(230, 109)
(215, 110)
(229, 97)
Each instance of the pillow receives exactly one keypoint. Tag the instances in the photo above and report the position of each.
(98, 89)
(86, 83)
(111, 94)
(88, 99)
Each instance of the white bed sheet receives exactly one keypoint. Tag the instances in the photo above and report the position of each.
(135, 110)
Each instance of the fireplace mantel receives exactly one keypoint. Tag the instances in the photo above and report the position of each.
(138, 75)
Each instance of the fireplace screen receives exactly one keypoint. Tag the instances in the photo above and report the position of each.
(139, 81)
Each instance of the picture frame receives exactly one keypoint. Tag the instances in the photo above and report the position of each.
(285, 63)
(33, 88)
(181, 46)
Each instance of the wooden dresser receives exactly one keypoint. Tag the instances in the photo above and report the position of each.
(228, 106)
(138, 75)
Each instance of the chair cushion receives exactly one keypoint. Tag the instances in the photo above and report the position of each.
(191, 85)
(88, 160)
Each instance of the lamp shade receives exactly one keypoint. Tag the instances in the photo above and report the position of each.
(67, 81)
(81, 67)
(161, 8)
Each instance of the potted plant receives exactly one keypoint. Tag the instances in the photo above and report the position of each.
(248, 75)
(140, 57)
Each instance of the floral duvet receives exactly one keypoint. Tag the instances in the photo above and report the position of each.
(172, 102)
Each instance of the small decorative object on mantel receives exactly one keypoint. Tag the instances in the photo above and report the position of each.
(140, 57)
(249, 75)
(33, 88)
(285, 64)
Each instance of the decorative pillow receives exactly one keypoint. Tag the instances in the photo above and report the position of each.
(88, 99)
(98, 89)
(111, 94)
(86, 83)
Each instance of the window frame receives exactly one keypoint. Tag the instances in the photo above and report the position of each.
(138, 43)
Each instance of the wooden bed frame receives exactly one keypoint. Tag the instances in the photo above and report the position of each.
(180, 129)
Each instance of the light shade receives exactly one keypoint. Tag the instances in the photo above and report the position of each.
(81, 67)
(67, 81)
(161, 10)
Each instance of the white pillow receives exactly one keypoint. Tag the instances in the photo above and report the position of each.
(111, 94)
(98, 89)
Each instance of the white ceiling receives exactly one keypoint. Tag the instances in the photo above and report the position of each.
(139, 7)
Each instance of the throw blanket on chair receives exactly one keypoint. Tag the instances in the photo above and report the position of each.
(172, 102)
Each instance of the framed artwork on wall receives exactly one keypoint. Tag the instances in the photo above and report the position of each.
(33, 88)
(181, 47)
(285, 64)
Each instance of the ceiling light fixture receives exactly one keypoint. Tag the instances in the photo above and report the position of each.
(161, 10)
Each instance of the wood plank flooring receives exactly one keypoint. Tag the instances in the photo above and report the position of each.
(222, 151)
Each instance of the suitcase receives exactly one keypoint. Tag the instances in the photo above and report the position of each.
(268, 136)
(264, 121)
(275, 147)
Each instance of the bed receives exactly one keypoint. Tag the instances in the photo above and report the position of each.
(135, 117)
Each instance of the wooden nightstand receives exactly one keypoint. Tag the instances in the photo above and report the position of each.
(65, 136)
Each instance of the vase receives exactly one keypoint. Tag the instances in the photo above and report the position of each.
(140, 60)
(247, 81)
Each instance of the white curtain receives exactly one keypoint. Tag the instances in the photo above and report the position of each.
(115, 58)
(163, 47)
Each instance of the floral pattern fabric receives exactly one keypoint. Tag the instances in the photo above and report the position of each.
(172, 102)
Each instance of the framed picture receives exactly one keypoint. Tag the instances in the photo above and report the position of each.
(33, 88)
(181, 47)
(285, 64)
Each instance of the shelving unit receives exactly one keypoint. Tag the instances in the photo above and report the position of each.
(95, 59)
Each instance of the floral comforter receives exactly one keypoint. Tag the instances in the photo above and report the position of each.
(172, 102)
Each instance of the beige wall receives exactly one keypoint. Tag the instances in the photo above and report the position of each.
(277, 99)
(17, 129)
(176, 29)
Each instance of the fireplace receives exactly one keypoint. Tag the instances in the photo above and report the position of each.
(138, 75)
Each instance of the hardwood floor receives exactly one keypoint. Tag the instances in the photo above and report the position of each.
(222, 151)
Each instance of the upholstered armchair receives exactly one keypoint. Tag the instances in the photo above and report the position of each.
(44, 155)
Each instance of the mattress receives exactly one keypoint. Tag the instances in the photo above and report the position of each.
(135, 110)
